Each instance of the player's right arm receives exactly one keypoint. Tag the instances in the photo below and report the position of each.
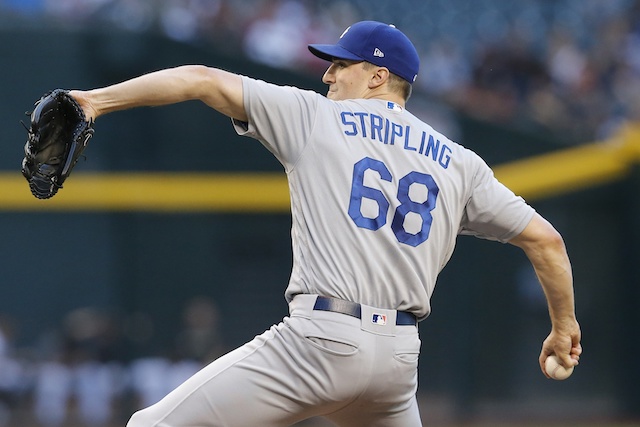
(545, 248)
(218, 89)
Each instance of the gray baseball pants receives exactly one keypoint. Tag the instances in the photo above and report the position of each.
(352, 371)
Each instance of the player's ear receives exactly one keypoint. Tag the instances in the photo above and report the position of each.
(379, 76)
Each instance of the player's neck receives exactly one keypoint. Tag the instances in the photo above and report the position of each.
(387, 96)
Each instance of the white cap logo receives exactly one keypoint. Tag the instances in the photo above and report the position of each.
(345, 32)
(377, 52)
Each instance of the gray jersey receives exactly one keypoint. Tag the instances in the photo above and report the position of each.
(378, 197)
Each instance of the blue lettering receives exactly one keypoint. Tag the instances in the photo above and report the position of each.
(406, 140)
(396, 130)
(376, 127)
(432, 147)
(354, 130)
(424, 136)
(386, 131)
(362, 123)
(444, 159)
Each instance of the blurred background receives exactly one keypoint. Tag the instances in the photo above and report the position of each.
(104, 310)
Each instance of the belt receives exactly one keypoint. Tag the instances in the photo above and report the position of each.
(403, 318)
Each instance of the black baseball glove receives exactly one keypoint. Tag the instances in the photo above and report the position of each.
(58, 135)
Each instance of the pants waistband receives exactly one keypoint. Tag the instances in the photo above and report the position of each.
(354, 309)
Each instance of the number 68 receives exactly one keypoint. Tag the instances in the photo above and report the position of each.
(359, 191)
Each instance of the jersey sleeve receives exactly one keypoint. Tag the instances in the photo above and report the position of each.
(280, 117)
(493, 211)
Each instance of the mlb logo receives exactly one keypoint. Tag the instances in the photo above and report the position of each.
(393, 106)
(379, 319)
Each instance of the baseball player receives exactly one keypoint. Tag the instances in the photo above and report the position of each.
(378, 198)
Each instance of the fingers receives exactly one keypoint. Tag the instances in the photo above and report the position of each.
(575, 353)
(542, 368)
(546, 352)
(568, 353)
(567, 360)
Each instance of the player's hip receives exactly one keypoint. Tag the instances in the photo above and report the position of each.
(373, 333)
(375, 320)
(360, 358)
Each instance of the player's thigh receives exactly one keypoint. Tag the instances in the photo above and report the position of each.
(369, 417)
(246, 387)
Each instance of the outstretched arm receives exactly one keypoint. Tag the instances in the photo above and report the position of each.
(545, 249)
(219, 89)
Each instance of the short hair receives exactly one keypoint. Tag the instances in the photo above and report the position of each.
(396, 83)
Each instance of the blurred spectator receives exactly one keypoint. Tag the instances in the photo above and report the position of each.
(152, 378)
(149, 380)
(183, 20)
(11, 372)
(82, 367)
(199, 339)
(447, 74)
(97, 386)
(277, 39)
(52, 393)
(198, 342)
(504, 76)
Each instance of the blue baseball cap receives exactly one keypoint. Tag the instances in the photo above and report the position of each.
(375, 42)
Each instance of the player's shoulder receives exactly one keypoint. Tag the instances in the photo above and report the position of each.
(268, 98)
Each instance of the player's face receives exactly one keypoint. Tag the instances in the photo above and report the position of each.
(346, 80)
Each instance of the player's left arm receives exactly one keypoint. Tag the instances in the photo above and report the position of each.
(217, 88)
(546, 250)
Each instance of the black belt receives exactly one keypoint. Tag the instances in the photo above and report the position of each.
(353, 309)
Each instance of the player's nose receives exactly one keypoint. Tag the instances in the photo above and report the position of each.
(329, 75)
